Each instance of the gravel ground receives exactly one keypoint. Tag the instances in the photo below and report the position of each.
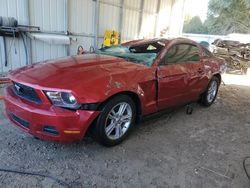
(172, 149)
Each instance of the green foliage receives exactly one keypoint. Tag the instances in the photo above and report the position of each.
(193, 25)
(228, 16)
(224, 17)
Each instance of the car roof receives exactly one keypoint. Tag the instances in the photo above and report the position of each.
(163, 40)
(144, 41)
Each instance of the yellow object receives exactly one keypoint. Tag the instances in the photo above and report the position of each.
(71, 132)
(111, 38)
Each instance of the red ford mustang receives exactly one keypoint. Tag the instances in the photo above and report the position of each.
(106, 92)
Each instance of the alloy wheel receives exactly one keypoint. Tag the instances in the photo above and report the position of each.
(212, 90)
(118, 121)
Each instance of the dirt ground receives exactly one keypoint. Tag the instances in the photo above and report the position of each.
(175, 150)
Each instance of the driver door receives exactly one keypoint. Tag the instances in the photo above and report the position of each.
(174, 75)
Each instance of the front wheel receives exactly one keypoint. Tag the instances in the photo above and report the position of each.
(210, 94)
(115, 121)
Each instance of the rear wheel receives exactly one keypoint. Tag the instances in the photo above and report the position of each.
(115, 121)
(210, 94)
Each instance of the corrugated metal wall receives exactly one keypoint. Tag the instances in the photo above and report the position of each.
(49, 16)
(14, 47)
(81, 21)
(149, 16)
(130, 20)
(86, 20)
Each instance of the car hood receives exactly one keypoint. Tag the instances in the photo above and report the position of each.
(89, 72)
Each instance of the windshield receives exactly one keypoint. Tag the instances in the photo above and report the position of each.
(128, 54)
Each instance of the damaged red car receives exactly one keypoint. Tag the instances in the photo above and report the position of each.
(108, 91)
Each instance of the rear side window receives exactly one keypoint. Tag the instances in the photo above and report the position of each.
(181, 53)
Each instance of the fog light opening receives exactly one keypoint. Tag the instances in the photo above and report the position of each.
(51, 130)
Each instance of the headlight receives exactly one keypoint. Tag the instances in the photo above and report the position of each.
(62, 99)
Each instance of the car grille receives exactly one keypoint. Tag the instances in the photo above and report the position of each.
(26, 92)
(21, 121)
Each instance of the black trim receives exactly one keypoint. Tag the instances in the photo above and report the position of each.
(90, 106)
(21, 121)
(50, 130)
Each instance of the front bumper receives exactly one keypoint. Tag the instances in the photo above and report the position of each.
(47, 122)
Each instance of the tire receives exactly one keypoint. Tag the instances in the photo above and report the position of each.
(111, 128)
(209, 96)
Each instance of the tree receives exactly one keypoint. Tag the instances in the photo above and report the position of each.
(228, 16)
(193, 25)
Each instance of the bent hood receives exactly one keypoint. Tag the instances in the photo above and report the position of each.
(90, 73)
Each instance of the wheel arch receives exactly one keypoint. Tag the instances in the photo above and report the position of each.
(135, 99)
(218, 76)
(132, 95)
